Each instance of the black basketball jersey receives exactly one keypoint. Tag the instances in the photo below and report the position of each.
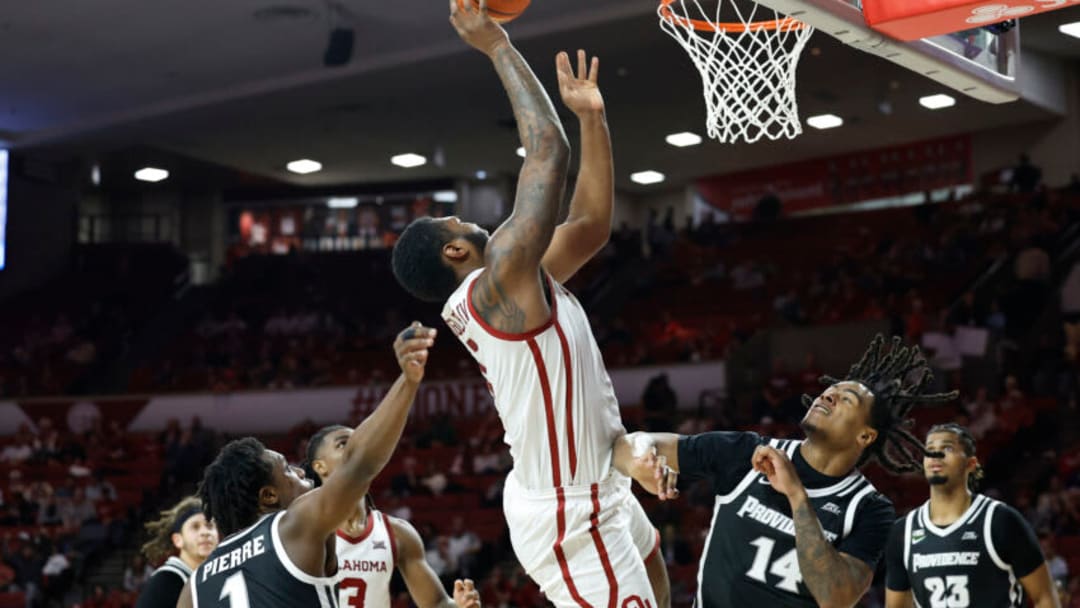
(250, 569)
(750, 557)
(976, 561)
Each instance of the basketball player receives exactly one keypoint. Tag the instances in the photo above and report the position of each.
(795, 522)
(280, 549)
(574, 525)
(959, 548)
(184, 536)
(371, 544)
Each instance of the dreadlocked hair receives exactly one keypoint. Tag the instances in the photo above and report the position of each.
(231, 484)
(314, 445)
(160, 545)
(897, 377)
(968, 441)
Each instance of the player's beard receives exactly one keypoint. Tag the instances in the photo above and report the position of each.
(478, 238)
(937, 480)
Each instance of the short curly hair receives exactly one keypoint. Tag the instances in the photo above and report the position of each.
(418, 264)
(231, 484)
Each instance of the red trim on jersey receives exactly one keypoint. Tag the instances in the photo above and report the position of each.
(656, 547)
(568, 364)
(594, 529)
(549, 411)
(393, 541)
(502, 335)
(560, 518)
(368, 527)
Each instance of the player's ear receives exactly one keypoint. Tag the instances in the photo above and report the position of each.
(177, 540)
(319, 467)
(268, 496)
(456, 250)
(866, 437)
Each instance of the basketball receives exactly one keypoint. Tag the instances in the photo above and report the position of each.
(502, 11)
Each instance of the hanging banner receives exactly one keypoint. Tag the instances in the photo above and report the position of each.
(845, 179)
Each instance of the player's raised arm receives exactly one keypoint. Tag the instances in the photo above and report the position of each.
(508, 294)
(368, 450)
(588, 225)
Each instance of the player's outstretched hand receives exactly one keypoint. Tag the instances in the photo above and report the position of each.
(411, 347)
(652, 472)
(476, 27)
(465, 594)
(775, 465)
(580, 92)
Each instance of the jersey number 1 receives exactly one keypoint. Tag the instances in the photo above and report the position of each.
(235, 591)
(786, 567)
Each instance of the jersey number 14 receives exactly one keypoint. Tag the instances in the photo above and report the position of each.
(786, 567)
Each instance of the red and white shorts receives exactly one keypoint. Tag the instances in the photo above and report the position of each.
(585, 546)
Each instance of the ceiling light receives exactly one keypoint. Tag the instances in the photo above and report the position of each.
(95, 175)
(521, 151)
(151, 174)
(481, 174)
(647, 177)
(825, 121)
(684, 139)
(304, 166)
(445, 196)
(343, 202)
(408, 160)
(937, 102)
(1070, 29)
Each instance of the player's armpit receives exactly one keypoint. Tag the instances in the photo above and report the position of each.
(185, 596)
(898, 599)
(424, 586)
(1040, 588)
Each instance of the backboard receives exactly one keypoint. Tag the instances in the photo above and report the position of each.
(976, 62)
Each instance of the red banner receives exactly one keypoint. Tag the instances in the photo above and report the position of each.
(916, 19)
(846, 179)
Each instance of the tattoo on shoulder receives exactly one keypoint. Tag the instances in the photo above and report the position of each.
(496, 307)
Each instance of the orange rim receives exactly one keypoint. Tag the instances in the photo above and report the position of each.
(785, 24)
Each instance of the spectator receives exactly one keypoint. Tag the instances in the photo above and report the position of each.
(464, 547)
(659, 401)
(77, 511)
(1026, 177)
(101, 489)
(407, 482)
(101, 598)
(1059, 568)
(137, 573)
(17, 453)
(441, 559)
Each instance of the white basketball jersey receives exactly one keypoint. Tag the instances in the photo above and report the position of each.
(551, 389)
(366, 563)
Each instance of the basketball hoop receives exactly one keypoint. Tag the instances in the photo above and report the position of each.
(747, 66)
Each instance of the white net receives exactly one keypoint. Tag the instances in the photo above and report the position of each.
(748, 72)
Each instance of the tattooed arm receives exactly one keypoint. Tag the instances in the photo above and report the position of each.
(509, 294)
(835, 579)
